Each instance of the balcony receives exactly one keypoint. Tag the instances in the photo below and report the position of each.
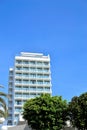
(10, 92)
(10, 111)
(10, 99)
(10, 105)
(9, 118)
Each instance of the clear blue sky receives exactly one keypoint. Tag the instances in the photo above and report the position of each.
(54, 27)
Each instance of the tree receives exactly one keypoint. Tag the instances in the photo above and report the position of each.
(45, 112)
(78, 111)
(3, 106)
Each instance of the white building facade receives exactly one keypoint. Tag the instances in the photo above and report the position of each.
(30, 77)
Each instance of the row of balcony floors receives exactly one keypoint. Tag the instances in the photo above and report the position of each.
(30, 87)
(32, 71)
(29, 82)
(27, 94)
(36, 70)
(32, 63)
(28, 90)
(30, 76)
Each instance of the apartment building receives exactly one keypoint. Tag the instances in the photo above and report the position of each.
(29, 77)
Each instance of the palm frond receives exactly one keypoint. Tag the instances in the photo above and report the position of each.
(3, 108)
(2, 114)
(3, 103)
(3, 94)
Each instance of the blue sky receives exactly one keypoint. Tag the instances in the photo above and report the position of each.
(54, 27)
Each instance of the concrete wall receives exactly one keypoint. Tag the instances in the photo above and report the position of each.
(26, 127)
(70, 128)
(20, 127)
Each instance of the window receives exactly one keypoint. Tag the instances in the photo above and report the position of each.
(18, 61)
(40, 82)
(26, 95)
(18, 95)
(11, 78)
(25, 62)
(32, 69)
(25, 88)
(39, 63)
(32, 62)
(18, 80)
(11, 73)
(40, 75)
(25, 68)
(46, 63)
(32, 95)
(25, 74)
(25, 81)
(18, 68)
(46, 70)
(39, 69)
(32, 88)
(18, 102)
(32, 75)
(32, 81)
(17, 109)
(46, 76)
(39, 88)
(18, 74)
(47, 88)
(46, 82)
(18, 88)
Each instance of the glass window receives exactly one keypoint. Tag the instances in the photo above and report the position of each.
(25, 81)
(18, 95)
(25, 74)
(18, 74)
(18, 68)
(39, 69)
(32, 75)
(25, 88)
(47, 88)
(26, 95)
(46, 75)
(17, 109)
(32, 62)
(25, 68)
(18, 61)
(46, 82)
(46, 69)
(25, 62)
(18, 102)
(32, 95)
(18, 87)
(46, 63)
(32, 81)
(18, 80)
(39, 88)
(32, 88)
(39, 63)
(40, 82)
(40, 75)
(32, 69)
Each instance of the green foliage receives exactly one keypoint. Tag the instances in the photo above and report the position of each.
(45, 112)
(78, 111)
(3, 105)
